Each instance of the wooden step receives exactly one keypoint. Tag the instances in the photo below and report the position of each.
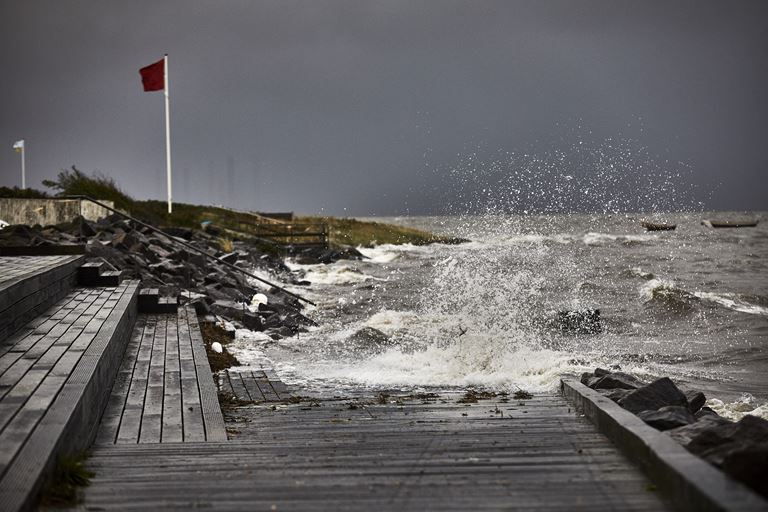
(55, 377)
(30, 284)
(150, 301)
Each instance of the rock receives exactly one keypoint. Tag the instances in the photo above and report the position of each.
(717, 443)
(230, 257)
(252, 321)
(216, 347)
(705, 412)
(615, 394)
(579, 322)
(601, 372)
(158, 251)
(659, 393)
(617, 380)
(228, 309)
(750, 466)
(696, 400)
(669, 417)
(686, 433)
(585, 378)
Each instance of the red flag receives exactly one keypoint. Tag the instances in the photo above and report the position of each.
(153, 76)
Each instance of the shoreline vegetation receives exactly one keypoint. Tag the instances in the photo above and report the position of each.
(342, 231)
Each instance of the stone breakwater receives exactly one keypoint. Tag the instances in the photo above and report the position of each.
(740, 448)
(212, 288)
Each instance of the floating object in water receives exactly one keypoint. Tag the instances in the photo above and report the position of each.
(580, 322)
(657, 226)
(743, 223)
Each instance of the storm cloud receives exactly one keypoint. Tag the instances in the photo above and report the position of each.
(375, 107)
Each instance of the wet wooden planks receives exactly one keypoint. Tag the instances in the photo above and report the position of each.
(52, 373)
(30, 284)
(403, 454)
(162, 393)
(253, 386)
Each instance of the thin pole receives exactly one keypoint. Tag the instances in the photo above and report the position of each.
(168, 135)
(23, 166)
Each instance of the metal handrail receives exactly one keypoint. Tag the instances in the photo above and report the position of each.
(189, 246)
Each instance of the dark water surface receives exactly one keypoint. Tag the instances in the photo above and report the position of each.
(690, 303)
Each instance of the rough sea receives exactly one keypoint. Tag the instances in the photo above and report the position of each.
(691, 304)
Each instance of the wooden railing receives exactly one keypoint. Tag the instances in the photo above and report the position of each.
(287, 234)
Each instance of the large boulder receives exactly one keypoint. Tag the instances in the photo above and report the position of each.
(669, 417)
(686, 433)
(617, 380)
(749, 465)
(696, 400)
(659, 393)
(717, 443)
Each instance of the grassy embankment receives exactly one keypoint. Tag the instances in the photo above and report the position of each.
(343, 231)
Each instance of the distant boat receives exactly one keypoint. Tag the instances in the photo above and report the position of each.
(657, 226)
(744, 223)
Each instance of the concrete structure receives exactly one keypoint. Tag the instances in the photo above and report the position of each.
(49, 211)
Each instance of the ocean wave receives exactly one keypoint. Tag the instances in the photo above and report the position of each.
(736, 302)
(745, 405)
(598, 239)
(335, 273)
(664, 292)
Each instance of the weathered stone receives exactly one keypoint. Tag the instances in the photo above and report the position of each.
(684, 434)
(158, 251)
(617, 380)
(601, 372)
(696, 400)
(659, 393)
(253, 321)
(615, 394)
(705, 412)
(669, 417)
(717, 443)
(750, 466)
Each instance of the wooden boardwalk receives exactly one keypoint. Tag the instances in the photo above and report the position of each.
(253, 386)
(164, 391)
(397, 453)
(30, 284)
(52, 372)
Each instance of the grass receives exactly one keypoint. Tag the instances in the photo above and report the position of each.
(343, 231)
(70, 475)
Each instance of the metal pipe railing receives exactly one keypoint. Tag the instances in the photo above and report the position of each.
(189, 246)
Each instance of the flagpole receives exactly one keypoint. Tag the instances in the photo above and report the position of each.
(167, 134)
(23, 166)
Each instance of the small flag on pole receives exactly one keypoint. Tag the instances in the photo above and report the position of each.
(152, 76)
(19, 145)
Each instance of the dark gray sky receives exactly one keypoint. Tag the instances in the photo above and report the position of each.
(364, 107)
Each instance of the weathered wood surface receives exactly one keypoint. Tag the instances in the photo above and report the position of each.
(30, 284)
(162, 393)
(254, 386)
(407, 453)
(53, 377)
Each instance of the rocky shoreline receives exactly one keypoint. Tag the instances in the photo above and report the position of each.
(740, 449)
(211, 287)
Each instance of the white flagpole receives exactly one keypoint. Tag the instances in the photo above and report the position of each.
(168, 135)
(23, 166)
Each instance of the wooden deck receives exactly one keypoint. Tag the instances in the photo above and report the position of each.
(164, 391)
(253, 386)
(380, 453)
(52, 372)
(30, 284)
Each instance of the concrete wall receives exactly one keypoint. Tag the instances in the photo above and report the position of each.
(49, 211)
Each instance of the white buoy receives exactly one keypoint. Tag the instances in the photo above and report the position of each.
(259, 298)
(216, 347)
